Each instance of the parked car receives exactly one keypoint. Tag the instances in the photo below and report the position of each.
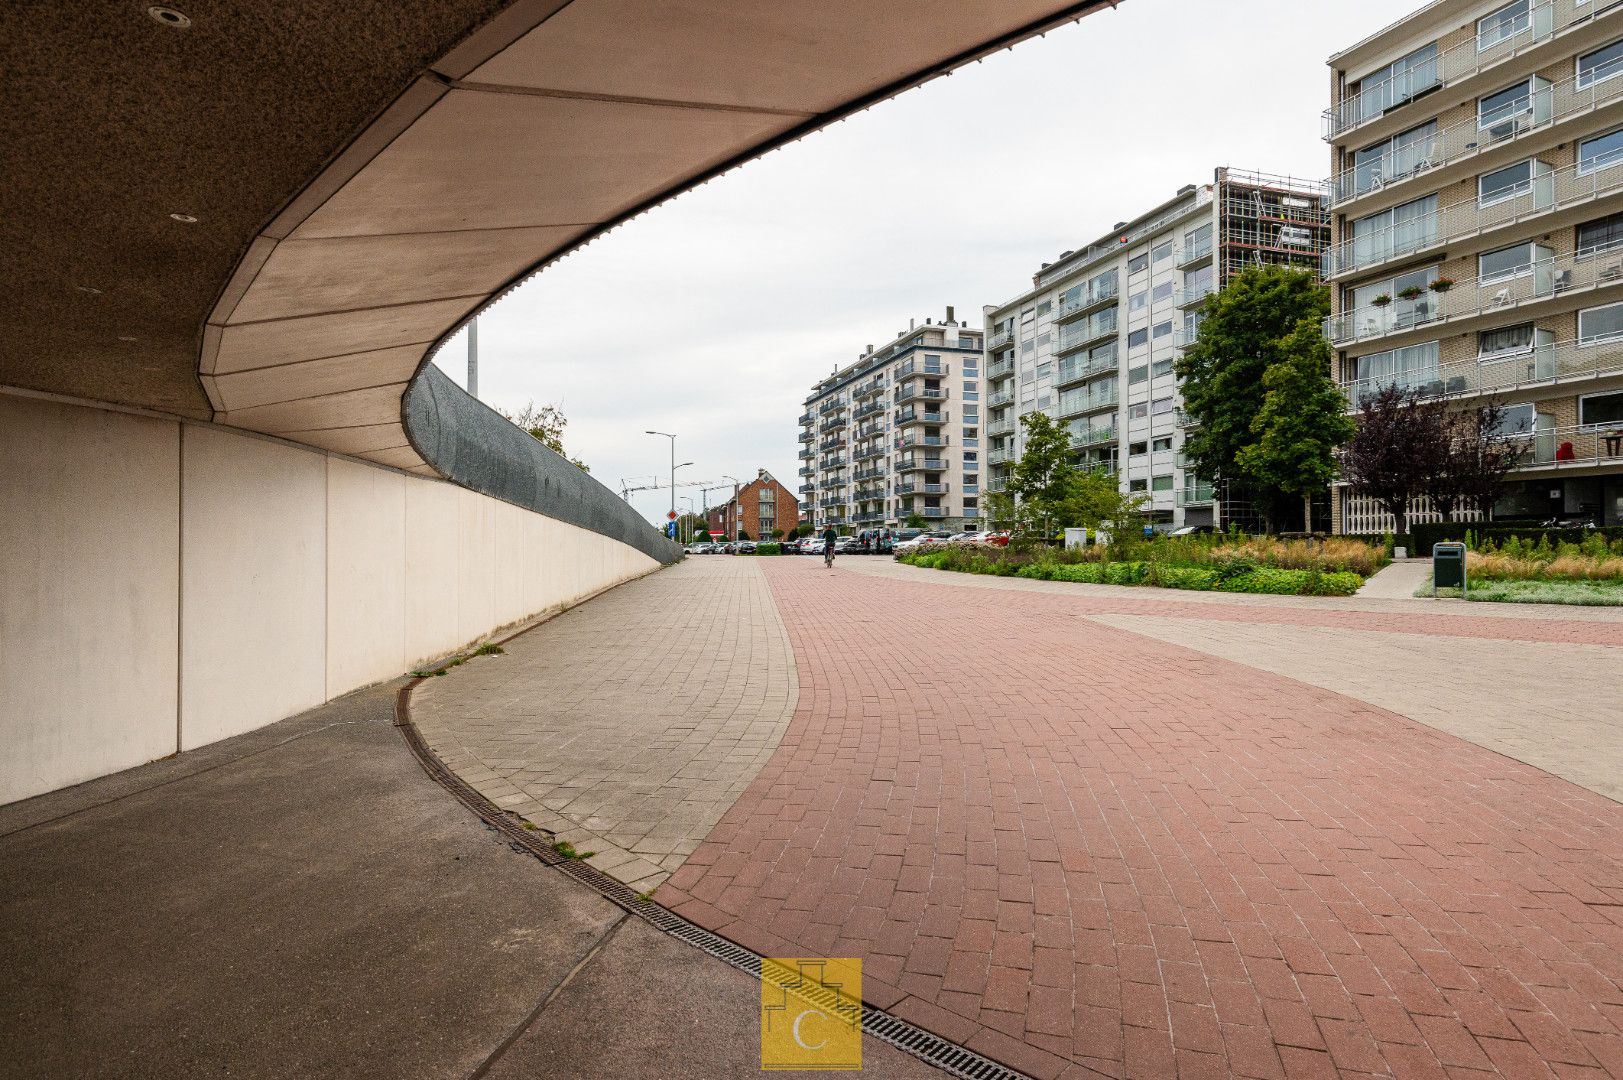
(1194, 530)
(703, 548)
(809, 545)
(847, 545)
(744, 547)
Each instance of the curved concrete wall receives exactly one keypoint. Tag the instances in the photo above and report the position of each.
(167, 584)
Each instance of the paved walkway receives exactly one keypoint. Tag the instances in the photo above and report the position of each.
(1397, 580)
(304, 902)
(1086, 850)
(629, 725)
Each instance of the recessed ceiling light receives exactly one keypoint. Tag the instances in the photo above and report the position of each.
(91, 289)
(169, 17)
(184, 218)
(126, 337)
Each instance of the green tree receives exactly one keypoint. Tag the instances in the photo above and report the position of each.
(1243, 333)
(1046, 492)
(546, 425)
(915, 520)
(1301, 423)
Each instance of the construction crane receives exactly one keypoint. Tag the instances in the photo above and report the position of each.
(627, 490)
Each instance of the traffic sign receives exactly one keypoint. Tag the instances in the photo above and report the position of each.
(670, 515)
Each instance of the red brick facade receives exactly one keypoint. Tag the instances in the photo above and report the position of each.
(762, 505)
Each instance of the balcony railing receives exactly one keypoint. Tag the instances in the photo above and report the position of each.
(868, 410)
(928, 368)
(1549, 105)
(1194, 255)
(831, 444)
(872, 386)
(905, 442)
(1000, 399)
(832, 423)
(911, 415)
(868, 431)
(832, 463)
(999, 339)
(1190, 295)
(1097, 327)
(1087, 298)
(868, 515)
(998, 457)
(868, 494)
(1542, 280)
(807, 470)
(915, 392)
(868, 453)
(1000, 427)
(1196, 494)
(932, 511)
(911, 487)
(807, 489)
(1546, 193)
(830, 406)
(830, 503)
(1561, 362)
(997, 485)
(1093, 436)
(1086, 403)
(1570, 446)
(1543, 20)
(928, 464)
(871, 473)
(807, 454)
(1000, 369)
(1075, 369)
(806, 418)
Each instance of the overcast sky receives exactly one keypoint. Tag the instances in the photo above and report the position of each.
(712, 316)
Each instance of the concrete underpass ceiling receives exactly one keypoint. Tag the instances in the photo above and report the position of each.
(367, 174)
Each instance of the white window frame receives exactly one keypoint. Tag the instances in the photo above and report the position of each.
(1526, 84)
(1608, 339)
(1511, 275)
(1509, 354)
(1526, 19)
(1578, 80)
(1579, 413)
(1594, 168)
(1510, 193)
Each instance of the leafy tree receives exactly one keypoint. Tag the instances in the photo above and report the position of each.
(1476, 460)
(915, 520)
(546, 425)
(1046, 492)
(1301, 423)
(1397, 440)
(702, 536)
(1242, 334)
(777, 534)
(742, 535)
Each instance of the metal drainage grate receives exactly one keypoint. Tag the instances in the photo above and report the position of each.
(949, 1057)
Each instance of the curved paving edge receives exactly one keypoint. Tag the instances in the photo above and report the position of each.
(628, 725)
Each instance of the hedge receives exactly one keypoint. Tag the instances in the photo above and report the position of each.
(1437, 532)
(1260, 579)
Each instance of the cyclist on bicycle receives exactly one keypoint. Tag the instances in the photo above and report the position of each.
(829, 536)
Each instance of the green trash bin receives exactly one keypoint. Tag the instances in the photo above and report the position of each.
(1448, 567)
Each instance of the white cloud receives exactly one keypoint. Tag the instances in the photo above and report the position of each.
(712, 316)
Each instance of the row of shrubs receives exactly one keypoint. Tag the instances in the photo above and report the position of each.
(765, 549)
(1522, 558)
(1235, 575)
(1424, 536)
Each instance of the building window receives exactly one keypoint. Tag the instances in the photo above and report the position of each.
(1413, 365)
(1138, 375)
(1161, 483)
(970, 503)
(1158, 445)
(1197, 242)
(1515, 420)
(1601, 235)
(1504, 341)
(1393, 158)
(1160, 406)
(1600, 324)
(1397, 82)
(1137, 411)
(1504, 105)
(1505, 263)
(1137, 263)
(1401, 229)
(1137, 338)
(1161, 367)
(1162, 251)
(1044, 308)
(1162, 292)
(1137, 449)
(1597, 410)
(1506, 183)
(1600, 65)
(1161, 330)
(1137, 485)
(1136, 301)
(1503, 24)
(1599, 152)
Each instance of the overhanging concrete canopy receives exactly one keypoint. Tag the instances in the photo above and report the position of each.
(369, 176)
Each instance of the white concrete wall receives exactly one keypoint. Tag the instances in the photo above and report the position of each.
(167, 585)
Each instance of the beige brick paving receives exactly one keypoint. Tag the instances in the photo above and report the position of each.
(1553, 706)
(628, 725)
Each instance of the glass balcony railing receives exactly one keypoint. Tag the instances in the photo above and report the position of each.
(1000, 427)
(1565, 276)
(1086, 403)
(911, 415)
(908, 441)
(1193, 255)
(999, 457)
(1093, 436)
(1000, 369)
(1547, 106)
(1095, 328)
(913, 487)
(916, 392)
(868, 410)
(1086, 298)
(1545, 193)
(1559, 362)
(999, 339)
(1190, 295)
(1539, 23)
(914, 464)
(1075, 369)
(831, 424)
(1560, 447)
(1000, 399)
(1195, 494)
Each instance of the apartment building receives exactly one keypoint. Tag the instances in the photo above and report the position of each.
(1477, 204)
(1092, 343)
(897, 433)
(758, 509)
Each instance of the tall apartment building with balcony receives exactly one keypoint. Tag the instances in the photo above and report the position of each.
(1477, 200)
(897, 433)
(1093, 341)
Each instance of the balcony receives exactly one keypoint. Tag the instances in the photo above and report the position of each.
(928, 464)
(807, 470)
(831, 463)
(831, 501)
(868, 453)
(1087, 403)
(868, 494)
(932, 511)
(1075, 369)
(1557, 363)
(1571, 447)
(1454, 65)
(806, 419)
(1557, 189)
(999, 339)
(911, 415)
(999, 457)
(1093, 437)
(909, 487)
(911, 441)
(915, 392)
(932, 369)
(1000, 369)
(1000, 399)
(830, 406)
(1189, 296)
(832, 423)
(867, 516)
(870, 473)
(1086, 300)
(832, 444)
(1001, 427)
(1567, 277)
(869, 409)
(872, 386)
(807, 454)
(1195, 494)
(997, 486)
(1468, 139)
(1190, 258)
(1079, 335)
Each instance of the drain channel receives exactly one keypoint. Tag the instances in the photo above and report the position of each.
(949, 1057)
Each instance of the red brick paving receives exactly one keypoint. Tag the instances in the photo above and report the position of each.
(1086, 852)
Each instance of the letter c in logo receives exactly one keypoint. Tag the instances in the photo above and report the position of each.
(796, 1029)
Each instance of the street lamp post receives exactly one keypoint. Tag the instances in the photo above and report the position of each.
(687, 525)
(732, 509)
(671, 437)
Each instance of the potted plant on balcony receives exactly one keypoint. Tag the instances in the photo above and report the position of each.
(1412, 292)
(1381, 300)
(1442, 284)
